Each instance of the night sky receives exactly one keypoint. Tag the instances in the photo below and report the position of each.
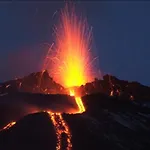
(121, 37)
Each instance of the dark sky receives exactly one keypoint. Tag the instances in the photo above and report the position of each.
(121, 35)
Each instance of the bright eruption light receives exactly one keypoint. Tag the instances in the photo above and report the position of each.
(69, 61)
(71, 56)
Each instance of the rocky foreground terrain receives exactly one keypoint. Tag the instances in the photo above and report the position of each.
(117, 115)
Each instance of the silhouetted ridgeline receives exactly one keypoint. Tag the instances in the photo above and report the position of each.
(39, 82)
(110, 85)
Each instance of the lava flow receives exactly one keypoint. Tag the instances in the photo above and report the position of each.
(8, 126)
(70, 62)
(61, 128)
(78, 102)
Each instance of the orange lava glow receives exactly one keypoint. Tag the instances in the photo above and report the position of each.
(78, 102)
(112, 93)
(8, 126)
(60, 127)
(70, 61)
(72, 93)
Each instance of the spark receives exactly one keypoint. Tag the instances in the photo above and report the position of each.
(8, 86)
(20, 84)
(54, 13)
(131, 97)
(112, 93)
(118, 92)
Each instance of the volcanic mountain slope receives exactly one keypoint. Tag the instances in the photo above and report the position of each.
(39, 82)
(14, 106)
(107, 124)
(117, 117)
(34, 131)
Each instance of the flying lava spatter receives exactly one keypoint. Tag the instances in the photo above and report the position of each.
(69, 61)
(70, 58)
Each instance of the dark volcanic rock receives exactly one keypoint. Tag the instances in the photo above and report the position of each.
(110, 124)
(107, 124)
(39, 82)
(123, 89)
(117, 115)
(33, 132)
(13, 106)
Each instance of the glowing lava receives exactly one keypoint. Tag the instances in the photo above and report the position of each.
(78, 102)
(70, 61)
(61, 128)
(8, 126)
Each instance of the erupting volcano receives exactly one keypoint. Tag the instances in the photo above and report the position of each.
(64, 108)
(69, 59)
(69, 62)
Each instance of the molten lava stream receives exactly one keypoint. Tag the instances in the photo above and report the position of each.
(69, 60)
(80, 104)
(78, 101)
(8, 126)
(61, 128)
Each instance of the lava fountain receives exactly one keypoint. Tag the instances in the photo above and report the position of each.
(70, 59)
(69, 62)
